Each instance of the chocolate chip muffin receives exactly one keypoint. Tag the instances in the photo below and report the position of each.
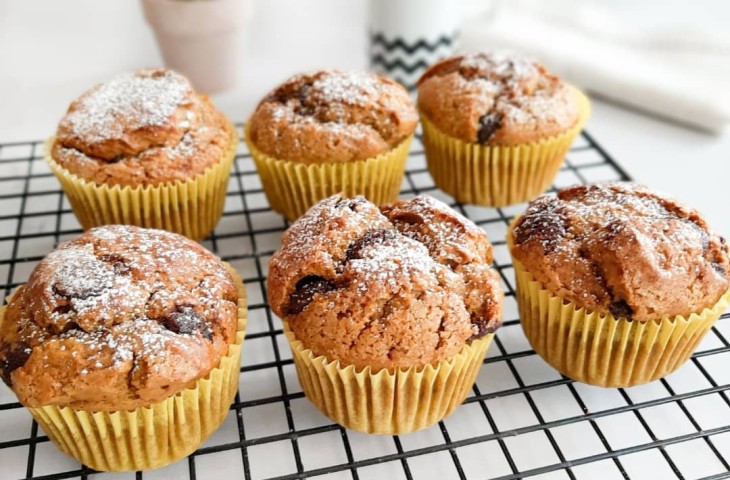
(489, 115)
(629, 258)
(333, 116)
(397, 289)
(124, 319)
(496, 99)
(144, 130)
(349, 131)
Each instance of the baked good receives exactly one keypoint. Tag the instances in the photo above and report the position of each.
(125, 321)
(496, 127)
(642, 276)
(328, 132)
(372, 294)
(145, 149)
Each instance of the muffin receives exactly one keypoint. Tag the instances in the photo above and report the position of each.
(496, 127)
(125, 346)
(389, 312)
(331, 132)
(144, 149)
(616, 284)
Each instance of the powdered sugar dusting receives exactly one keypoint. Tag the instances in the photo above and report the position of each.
(334, 106)
(392, 263)
(611, 208)
(523, 92)
(125, 299)
(351, 88)
(623, 249)
(353, 279)
(88, 284)
(131, 100)
(508, 67)
(446, 228)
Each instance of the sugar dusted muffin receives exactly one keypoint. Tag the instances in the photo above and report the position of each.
(496, 127)
(329, 132)
(630, 264)
(382, 294)
(132, 322)
(145, 131)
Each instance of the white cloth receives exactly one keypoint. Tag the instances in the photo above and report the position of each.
(681, 73)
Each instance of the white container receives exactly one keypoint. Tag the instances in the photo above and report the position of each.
(407, 36)
(202, 39)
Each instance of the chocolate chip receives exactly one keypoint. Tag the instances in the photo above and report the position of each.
(94, 281)
(62, 329)
(69, 327)
(549, 232)
(410, 218)
(354, 204)
(186, 321)
(70, 290)
(488, 126)
(484, 327)
(306, 289)
(118, 263)
(303, 92)
(63, 309)
(619, 308)
(12, 357)
(718, 268)
(373, 237)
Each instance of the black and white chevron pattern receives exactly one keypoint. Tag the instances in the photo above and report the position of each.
(405, 61)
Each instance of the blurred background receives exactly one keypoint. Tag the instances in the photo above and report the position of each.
(657, 70)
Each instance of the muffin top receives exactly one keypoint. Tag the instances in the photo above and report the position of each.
(496, 99)
(405, 285)
(332, 116)
(142, 128)
(118, 318)
(623, 249)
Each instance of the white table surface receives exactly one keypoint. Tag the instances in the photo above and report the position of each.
(51, 51)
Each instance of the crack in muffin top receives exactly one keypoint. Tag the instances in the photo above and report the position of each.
(143, 128)
(332, 116)
(405, 285)
(118, 318)
(624, 249)
(496, 99)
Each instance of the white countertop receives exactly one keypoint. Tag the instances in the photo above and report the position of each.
(49, 54)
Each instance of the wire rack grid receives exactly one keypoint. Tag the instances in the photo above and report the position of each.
(522, 419)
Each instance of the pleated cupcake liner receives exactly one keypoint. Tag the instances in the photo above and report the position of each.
(387, 402)
(156, 435)
(191, 207)
(601, 349)
(293, 187)
(498, 175)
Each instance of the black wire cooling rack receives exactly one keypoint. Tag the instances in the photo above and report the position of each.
(522, 419)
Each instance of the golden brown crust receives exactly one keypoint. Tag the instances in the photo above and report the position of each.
(495, 99)
(118, 318)
(624, 249)
(145, 128)
(404, 286)
(333, 116)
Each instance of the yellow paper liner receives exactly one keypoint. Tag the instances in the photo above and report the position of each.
(153, 436)
(385, 402)
(497, 176)
(293, 187)
(601, 349)
(191, 207)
